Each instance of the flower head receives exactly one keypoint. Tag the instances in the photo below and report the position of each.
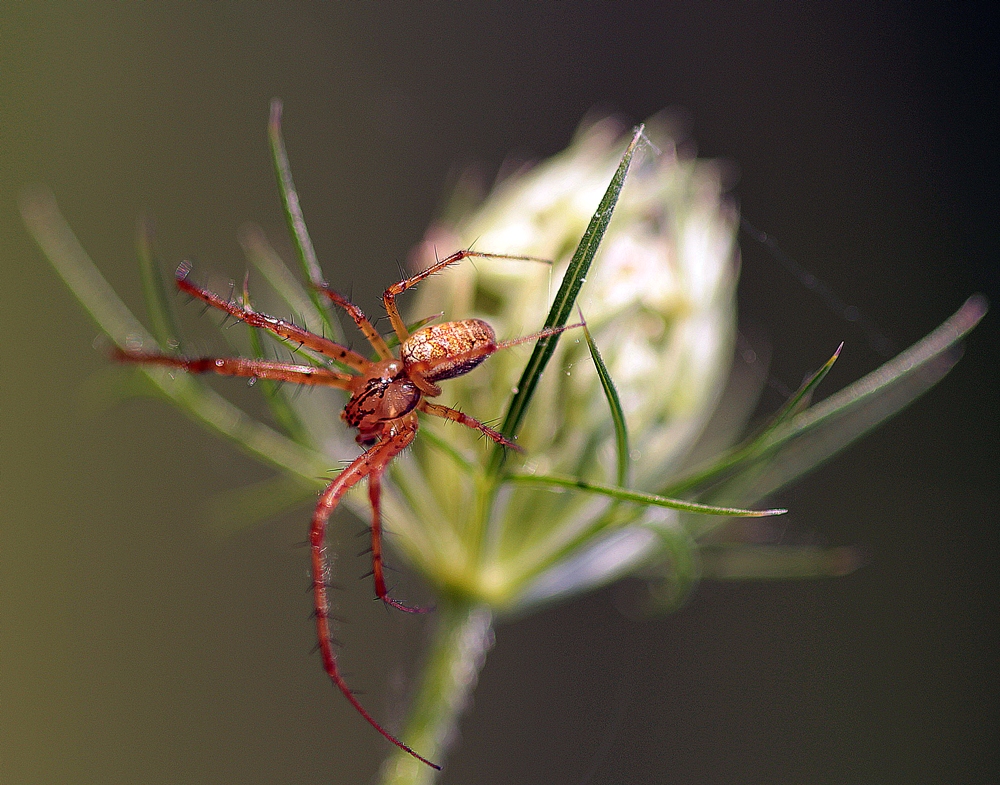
(659, 302)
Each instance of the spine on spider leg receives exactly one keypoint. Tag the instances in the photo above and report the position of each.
(374, 460)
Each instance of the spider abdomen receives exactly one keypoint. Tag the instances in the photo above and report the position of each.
(444, 351)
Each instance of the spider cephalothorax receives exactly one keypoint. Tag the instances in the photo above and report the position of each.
(385, 396)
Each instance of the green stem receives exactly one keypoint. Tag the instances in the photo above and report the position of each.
(463, 635)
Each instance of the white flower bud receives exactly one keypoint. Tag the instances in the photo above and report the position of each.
(660, 304)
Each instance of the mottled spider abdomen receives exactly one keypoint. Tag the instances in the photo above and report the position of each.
(447, 350)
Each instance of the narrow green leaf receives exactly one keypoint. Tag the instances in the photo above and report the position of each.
(446, 447)
(728, 462)
(201, 403)
(639, 497)
(813, 436)
(261, 254)
(293, 211)
(565, 299)
(803, 396)
(158, 304)
(615, 404)
(59, 245)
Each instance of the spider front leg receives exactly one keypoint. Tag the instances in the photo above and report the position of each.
(370, 464)
(390, 294)
(279, 327)
(368, 330)
(241, 366)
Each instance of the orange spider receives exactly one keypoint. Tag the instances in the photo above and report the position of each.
(385, 397)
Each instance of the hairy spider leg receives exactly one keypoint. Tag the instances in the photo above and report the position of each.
(279, 327)
(455, 415)
(368, 330)
(371, 464)
(390, 294)
(301, 374)
(378, 566)
(395, 436)
(241, 366)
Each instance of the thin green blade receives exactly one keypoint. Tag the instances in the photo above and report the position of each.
(293, 210)
(192, 396)
(158, 304)
(615, 405)
(803, 396)
(262, 255)
(638, 497)
(565, 298)
(743, 454)
(813, 436)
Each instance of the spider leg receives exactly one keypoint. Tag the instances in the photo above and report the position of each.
(373, 460)
(374, 495)
(241, 366)
(390, 294)
(279, 327)
(374, 338)
(536, 336)
(460, 417)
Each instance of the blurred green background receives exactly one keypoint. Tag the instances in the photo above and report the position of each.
(135, 648)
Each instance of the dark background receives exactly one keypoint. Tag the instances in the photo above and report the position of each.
(134, 648)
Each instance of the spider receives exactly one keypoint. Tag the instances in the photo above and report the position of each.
(385, 396)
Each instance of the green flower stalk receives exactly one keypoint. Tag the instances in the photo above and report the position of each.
(640, 244)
